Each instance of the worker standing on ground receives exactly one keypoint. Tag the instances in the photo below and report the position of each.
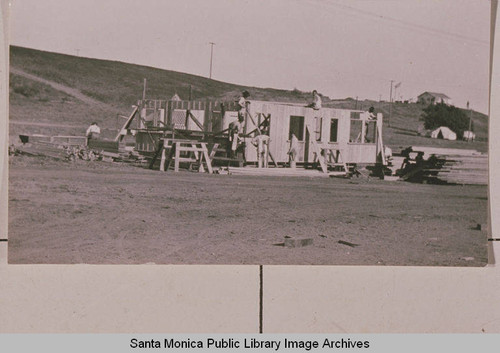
(316, 103)
(293, 152)
(262, 144)
(93, 132)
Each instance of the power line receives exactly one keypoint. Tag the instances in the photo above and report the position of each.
(407, 24)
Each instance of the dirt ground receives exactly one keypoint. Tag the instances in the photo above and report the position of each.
(102, 213)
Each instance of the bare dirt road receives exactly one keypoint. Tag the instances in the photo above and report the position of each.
(98, 213)
(60, 87)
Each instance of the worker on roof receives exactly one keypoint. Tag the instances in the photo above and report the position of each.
(371, 117)
(93, 132)
(371, 114)
(242, 104)
(316, 103)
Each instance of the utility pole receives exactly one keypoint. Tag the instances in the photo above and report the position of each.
(211, 56)
(390, 106)
(470, 122)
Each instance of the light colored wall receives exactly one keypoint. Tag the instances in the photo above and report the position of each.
(279, 131)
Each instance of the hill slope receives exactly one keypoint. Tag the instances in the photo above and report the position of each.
(62, 94)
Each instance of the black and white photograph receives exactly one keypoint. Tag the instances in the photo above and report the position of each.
(231, 132)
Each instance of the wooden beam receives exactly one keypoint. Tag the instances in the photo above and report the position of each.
(195, 120)
(155, 156)
(123, 130)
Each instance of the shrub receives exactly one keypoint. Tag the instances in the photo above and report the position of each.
(445, 115)
(26, 90)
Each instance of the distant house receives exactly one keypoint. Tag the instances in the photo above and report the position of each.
(433, 98)
(444, 133)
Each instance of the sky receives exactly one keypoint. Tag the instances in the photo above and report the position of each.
(342, 48)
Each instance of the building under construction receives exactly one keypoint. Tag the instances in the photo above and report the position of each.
(177, 132)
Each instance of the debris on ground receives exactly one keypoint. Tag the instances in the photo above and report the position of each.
(352, 245)
(467, 258)
(297, 242)
(70, 151)
(481, 226)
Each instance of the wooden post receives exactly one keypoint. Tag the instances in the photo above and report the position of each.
(162, 162)
(307, 141)
(380, 143)
(205, 155)
(208, 116)
(222, 115)
(177, 156)
(390, 107)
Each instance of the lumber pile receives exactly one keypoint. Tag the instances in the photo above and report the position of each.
(444, 165)
(104, 145)
(41, 150)
(281, 172)
(460, 169)
(438, 151)
(71, 148)
(56, 140)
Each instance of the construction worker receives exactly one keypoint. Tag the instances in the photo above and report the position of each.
(93, 132)
(242, 104)
(371, 113)
(371, 117)
(293, 151)
(316, 103)
(262, 144)
(235, 129)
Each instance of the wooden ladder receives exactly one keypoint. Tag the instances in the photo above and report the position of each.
(197, 151)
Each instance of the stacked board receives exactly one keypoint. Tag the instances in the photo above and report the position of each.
(456, 166)
(43, 150)
(456, 169)
(280, 172)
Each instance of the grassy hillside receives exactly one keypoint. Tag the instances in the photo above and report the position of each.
(117, 85)
(121, 84)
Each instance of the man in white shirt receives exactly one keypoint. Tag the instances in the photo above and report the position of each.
(371, 114)
(242, 103)
(262, 144)
(93, 132)
(235, 129)
(316, 104)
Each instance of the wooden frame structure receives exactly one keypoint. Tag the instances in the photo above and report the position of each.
(327, 137)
